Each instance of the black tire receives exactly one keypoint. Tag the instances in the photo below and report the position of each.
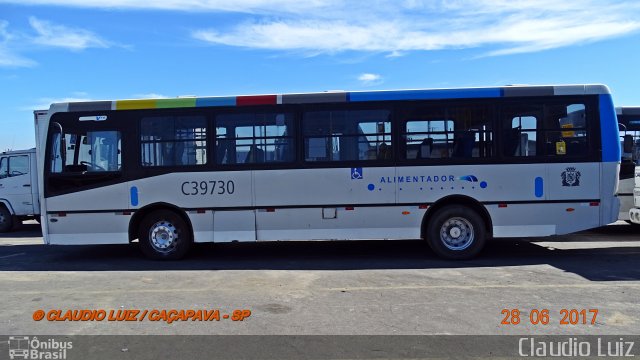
(633, 225)
(164, 235)
(6, 219)
(456, 232)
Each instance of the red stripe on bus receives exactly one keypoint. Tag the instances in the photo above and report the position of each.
(256, 100)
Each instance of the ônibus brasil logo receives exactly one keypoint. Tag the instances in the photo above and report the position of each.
(25, 347)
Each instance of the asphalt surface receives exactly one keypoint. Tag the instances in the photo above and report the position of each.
(329, 288)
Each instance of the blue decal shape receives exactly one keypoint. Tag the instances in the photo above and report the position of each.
(134, 196)
(356, 173)
(609, 132)
(434, 94)
(469, 178)
(539, 187)
(483, 184)
(371, 187)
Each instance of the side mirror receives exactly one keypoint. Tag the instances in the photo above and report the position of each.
(627, 146)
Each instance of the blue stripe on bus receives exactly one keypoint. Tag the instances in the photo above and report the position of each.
(216, 101)
(539, 187)
(425, 94)
(134, 196)
(609, 132)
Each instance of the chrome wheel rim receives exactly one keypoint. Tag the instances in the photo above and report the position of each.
(457, 233)
(164, 236)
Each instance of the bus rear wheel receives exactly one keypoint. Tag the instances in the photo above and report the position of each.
(456, 232)
(164, 235)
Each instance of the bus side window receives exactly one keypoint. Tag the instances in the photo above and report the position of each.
(174, 140)
(571, 133)
(430, 138)
(254, 138)
(463, 131)
(353, 135)
(463, 144)
(520, 138)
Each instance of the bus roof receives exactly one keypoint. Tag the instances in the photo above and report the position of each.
(333, 97)
(628, 110)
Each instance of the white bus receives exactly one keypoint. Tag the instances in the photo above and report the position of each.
(453, 166)
(629, 123)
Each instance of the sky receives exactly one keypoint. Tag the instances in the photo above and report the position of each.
(76, 50)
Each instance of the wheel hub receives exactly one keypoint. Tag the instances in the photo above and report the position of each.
(457, 233)
(163, 235)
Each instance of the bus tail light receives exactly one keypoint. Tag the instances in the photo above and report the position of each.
(502, 205)
(349, 208)
(594, 203)
(423, 207)
(570, 209)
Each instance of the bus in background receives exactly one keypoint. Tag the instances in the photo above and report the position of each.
(629, 123)
(453, 166)
(634, 212)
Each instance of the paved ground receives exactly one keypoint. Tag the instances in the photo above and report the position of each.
(369, 287)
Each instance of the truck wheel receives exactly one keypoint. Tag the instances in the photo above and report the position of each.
(164, 235)
(6, 220)
(456, 232)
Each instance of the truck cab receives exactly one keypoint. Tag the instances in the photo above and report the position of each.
(18, 188)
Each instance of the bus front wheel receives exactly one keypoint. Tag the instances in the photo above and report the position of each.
(456, 232)
(164, 235)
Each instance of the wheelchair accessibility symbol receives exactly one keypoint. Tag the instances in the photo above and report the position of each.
(356, 173)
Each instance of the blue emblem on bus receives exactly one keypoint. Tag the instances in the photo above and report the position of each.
(356, 173)
(469, 178)
(473, 179)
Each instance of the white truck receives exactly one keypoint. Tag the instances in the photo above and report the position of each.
(19, 195)
(18, 188)
(634, 213)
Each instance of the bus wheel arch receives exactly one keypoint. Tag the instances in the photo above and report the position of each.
(462, 216)
(162, 220)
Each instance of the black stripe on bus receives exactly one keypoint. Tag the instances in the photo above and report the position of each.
(280, 207)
